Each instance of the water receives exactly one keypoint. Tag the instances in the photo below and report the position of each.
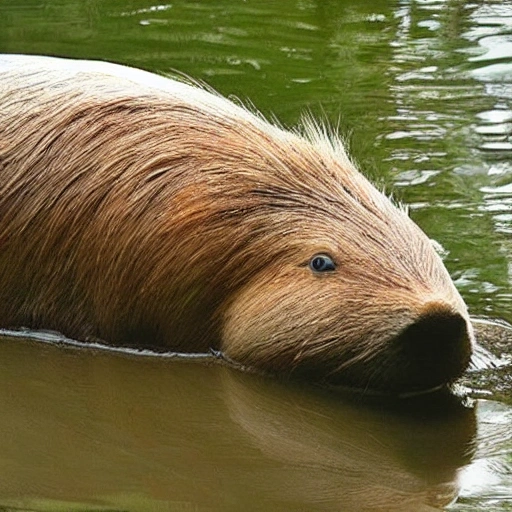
(422, 91)
(125, 433)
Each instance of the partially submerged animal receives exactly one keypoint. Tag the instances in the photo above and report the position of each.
(143, 211)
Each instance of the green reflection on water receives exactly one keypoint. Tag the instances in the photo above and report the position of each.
(405, 82)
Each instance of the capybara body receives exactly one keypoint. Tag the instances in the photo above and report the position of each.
(142, 211)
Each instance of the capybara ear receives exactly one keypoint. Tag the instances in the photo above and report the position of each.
(144, 211)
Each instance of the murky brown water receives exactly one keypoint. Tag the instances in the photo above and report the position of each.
(424, 88)
(91, 428)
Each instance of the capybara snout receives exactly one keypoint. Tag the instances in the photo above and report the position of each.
(434, 349)
(353, 335)
(144, 211)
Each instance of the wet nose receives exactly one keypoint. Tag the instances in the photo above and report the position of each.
(437, 347)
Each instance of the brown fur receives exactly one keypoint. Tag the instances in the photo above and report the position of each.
(138, 217)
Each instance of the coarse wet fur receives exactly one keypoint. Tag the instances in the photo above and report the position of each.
(146, 212)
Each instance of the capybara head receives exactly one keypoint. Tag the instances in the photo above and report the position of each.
(143, 211)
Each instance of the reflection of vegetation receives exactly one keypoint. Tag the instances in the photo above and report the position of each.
(432, 134)
(392, 74)
(492, 376)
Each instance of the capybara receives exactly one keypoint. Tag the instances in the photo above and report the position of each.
(147, 212)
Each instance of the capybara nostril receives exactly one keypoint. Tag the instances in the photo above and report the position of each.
(436, 348)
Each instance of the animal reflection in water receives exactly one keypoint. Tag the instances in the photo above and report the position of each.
(124, 430)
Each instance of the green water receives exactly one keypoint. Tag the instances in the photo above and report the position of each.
(422, 91)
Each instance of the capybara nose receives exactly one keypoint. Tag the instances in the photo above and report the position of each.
(436, 348)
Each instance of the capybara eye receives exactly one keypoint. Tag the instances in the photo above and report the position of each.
(321, 263)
